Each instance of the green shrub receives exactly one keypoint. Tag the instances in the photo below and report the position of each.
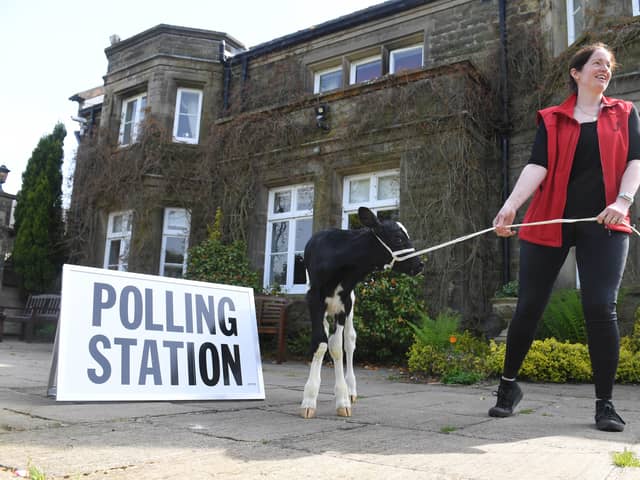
(509, 289)
(436, 332)
(217, 262)
(385, 303)
(563, 319)
(463, 359)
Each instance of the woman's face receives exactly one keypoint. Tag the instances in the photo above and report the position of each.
(595, 75)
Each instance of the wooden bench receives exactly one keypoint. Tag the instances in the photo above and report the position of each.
(271, 315)
(38, 309)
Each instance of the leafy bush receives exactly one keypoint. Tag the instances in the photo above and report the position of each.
(463, 359)
(509, 289)
(563, 319)
(218, 262)
(385, 303)
(436, 332)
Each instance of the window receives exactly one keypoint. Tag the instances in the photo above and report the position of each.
(186, 124)
(175, 241)
(289, 227)
(575, 19)
(635, 6)
(405, 59)
(326, 80)
(132, 117)
(365, 70)
(379, 191)
(116, 253)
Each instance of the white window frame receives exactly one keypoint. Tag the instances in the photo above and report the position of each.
(356, 64)
(124, 236)
(291, 217)
(392, 59)
(136, 120)
(180, 232)
(178, 114)
(635, 7)
(373, 203)
(318, 75)
(571, 22)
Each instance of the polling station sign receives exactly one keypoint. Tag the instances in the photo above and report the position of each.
(128, 336)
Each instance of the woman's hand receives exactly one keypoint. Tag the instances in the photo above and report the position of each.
(614, 213)
(503, 219)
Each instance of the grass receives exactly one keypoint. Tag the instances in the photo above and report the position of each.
(625, 459)
(526, 411)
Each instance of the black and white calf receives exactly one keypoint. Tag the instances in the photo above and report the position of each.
(336, 260)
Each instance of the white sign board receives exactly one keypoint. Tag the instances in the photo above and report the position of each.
(128, 336)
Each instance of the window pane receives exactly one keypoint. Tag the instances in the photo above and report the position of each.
(175, 248)
(173, 271)
(578, 17)
(299, 272)
(303, 233)
(388, 187)
(114, 254)
(330, 81)
(279, 237)
(368, 71)
(282, 202)
(131, 108)
(177, 220)
(305, 198)
(407, 59)
(118, 222)
(126, 134)
(388, 215)
(354, 222)
(189, 102)
(143, 105)
(278, 274)
(186, 126)
(359, 190)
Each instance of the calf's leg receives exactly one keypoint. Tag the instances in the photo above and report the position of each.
(349, 348)
(343, 405)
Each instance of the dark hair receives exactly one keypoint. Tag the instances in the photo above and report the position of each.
(582, 56)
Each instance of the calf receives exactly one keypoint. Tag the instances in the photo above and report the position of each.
(336, 260)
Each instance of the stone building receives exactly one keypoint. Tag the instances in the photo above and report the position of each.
(423, 110)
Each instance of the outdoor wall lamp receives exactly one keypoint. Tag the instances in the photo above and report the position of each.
(322, 112)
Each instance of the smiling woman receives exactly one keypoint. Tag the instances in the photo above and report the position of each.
(585, 162)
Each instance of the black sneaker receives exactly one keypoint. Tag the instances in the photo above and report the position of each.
(606, 417)
(509, 395)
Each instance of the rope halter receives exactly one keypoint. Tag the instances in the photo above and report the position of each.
(396, 255)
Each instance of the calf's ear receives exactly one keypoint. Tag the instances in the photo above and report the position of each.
(368, 218)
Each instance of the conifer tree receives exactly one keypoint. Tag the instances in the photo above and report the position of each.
(37, 253)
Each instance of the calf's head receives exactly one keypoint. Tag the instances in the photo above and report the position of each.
(395, 237)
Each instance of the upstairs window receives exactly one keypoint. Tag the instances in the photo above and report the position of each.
(366, 69)
(575, 19)
(405, 59)
(116, 254)
(186, 124)
(175, 241)
(289, 228)
(327, 80)
(378, 191)
(635, 5)
(132, 118)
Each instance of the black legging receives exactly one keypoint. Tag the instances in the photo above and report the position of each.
(601, 255)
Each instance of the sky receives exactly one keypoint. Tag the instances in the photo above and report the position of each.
(51, 50)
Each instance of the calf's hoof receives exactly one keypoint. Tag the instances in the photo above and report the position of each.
(307, 412)
(344, 411)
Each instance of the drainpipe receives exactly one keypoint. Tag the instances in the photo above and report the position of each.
(504, 131)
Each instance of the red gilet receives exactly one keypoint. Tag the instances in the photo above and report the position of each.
(563, 132)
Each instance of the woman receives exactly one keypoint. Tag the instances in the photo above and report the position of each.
(585, 162)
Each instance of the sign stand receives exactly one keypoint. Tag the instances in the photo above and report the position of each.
(52, 385)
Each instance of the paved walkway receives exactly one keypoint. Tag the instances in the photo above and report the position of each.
(398, 431)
